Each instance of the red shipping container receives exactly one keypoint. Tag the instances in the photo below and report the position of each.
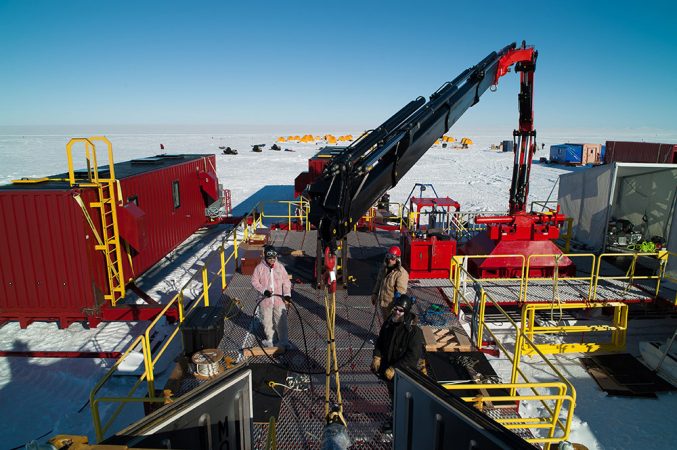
(640, 152)
(51, 269)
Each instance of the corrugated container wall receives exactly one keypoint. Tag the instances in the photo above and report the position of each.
(642, 152)
(50, 269)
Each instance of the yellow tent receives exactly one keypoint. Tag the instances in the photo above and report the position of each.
(317, 138)
(308, 138)
(438, 142)
(448, 139)
(466, 141)
(330, 138)
(345, 137)
(281, 139)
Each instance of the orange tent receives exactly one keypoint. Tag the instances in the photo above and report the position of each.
(281, 139)
(308, 138)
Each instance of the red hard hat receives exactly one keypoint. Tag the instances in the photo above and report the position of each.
(395, 250)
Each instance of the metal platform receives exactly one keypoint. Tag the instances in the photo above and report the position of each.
(365, 398)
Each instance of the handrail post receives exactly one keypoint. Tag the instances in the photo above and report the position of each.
(205, 285)
(96, 418)
(592, 277)
(222, 254)
(597, 269)
(662, 257)
(148, 362)
(457, 281)
(235, 246)
(181, 306)
(480, 320)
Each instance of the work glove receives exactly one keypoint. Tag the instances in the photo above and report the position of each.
(375, 364)
(287, 298)
(267, 293)
(390, 373)
(374, 297)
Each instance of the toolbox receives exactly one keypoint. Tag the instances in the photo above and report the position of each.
(249, 260)
(203, 328)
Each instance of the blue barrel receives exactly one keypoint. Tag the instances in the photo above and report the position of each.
(507, 146)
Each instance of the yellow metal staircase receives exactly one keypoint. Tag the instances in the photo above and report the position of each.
(107, 234)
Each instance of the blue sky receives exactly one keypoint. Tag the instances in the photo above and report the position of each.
(608, 65)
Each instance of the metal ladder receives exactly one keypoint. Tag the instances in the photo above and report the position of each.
(107, 236)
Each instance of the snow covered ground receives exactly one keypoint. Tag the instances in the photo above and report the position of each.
(42, 397)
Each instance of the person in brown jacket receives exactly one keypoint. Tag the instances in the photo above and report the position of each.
(392, 277)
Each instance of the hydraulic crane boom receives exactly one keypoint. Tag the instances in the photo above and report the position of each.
(355, 179)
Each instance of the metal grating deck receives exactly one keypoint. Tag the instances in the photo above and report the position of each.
(366, 402)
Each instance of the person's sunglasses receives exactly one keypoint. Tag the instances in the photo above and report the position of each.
(391, 256)
(398, 310)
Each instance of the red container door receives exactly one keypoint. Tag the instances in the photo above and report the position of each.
(420, 256)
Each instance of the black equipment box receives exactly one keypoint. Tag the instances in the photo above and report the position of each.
(203, 328)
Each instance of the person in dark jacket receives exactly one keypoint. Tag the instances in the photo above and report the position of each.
(399, 343)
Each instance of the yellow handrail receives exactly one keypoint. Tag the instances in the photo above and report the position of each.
(150, 360)
(555, 275)
(94, 402)
(459, 260)
(553, 422)
(662, 256)
(566, 391)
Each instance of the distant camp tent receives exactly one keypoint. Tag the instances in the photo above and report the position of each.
(448, 139)
(330, 138)
(438, 142)
(345, 138)
(281, 139)
(466, 141)
(308, 138)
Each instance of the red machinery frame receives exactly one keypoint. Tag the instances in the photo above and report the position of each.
(520, 232)
(428, 256)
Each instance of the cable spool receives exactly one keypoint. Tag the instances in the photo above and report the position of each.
(207, 363)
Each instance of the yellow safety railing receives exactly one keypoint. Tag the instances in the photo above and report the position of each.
(301, 210)
(552, 423)
(630, 276)
(553, 403)
(618, 328)
(151, 358)
(368, 219)
(556, 258)
(101, 428)
(459, 277)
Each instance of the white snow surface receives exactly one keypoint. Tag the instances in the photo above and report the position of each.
(41, 397)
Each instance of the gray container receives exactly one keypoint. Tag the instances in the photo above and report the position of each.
(507, 146)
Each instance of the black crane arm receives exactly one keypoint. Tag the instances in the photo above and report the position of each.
(355, 179)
